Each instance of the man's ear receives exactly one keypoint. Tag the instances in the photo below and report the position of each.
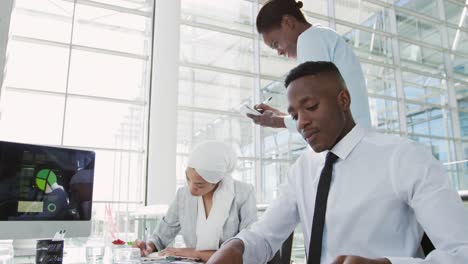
(344, 100)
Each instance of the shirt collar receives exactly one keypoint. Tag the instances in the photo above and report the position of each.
(346, 145)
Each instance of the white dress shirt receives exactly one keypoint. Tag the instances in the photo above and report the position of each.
(320, 43)
(385, 191)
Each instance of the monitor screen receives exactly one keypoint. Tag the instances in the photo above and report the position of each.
(45, 183)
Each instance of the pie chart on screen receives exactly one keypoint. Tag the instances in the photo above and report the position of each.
(46, 178)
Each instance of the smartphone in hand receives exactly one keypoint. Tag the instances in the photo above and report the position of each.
(245, 109)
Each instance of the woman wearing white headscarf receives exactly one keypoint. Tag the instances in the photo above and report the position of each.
(211, 209)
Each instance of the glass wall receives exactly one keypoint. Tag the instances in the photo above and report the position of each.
(414, 56)
(64, 87)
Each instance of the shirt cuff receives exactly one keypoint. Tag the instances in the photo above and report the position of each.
(254, 250)
(155, 244)
(245, 256)
(290, 124)
(252, 254)
(248, 250)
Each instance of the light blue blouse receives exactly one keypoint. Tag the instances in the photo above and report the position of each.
(181, 217)
(320, 43)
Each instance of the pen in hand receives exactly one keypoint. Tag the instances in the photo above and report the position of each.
(267, 100)
(146, 238)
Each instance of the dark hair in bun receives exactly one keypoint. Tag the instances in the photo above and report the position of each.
(271, 14)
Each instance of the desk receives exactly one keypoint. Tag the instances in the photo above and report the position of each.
(77, 255)
(32, 260)
(72, 255)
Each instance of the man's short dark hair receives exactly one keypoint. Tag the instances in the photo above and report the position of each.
(312, 68)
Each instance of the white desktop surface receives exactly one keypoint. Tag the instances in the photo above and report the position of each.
(75, 254)
(72, 255)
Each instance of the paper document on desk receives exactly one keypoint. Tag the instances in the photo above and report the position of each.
(154, 259)
(155, 255)
(147, 260)
(184, 262)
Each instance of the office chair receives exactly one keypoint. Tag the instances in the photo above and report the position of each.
(426, 245)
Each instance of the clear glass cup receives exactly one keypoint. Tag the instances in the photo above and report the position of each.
(95, 254)
(126, 255)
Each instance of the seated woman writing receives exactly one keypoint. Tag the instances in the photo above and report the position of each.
(212, 208)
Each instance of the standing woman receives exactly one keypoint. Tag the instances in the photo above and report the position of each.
(212, 208)
(285, 29)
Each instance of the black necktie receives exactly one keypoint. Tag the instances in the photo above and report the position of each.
(323, 188)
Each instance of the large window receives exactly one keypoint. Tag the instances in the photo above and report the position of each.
(77, 76)
(414, 64)
(219, 70)
(413, 53)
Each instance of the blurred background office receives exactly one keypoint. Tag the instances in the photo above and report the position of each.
(141, 81)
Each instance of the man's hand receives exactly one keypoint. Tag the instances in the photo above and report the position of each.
(180, 252)
(145, 248)
(270, 117)
(230, 253)
(359, 260)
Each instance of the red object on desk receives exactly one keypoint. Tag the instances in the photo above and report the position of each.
(118, 242)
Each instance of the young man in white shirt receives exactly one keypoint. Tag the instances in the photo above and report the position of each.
(284, 28)
(383, 191)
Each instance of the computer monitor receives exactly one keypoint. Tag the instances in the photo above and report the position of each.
(43, 190)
